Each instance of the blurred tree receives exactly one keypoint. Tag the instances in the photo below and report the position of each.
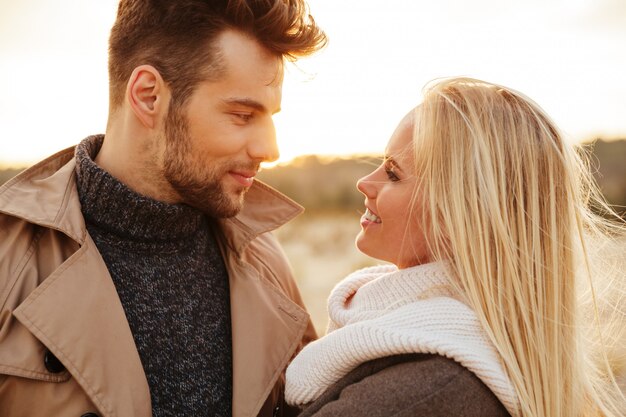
(323, 184)
(7, 174)
(330, 184)
(609, 169)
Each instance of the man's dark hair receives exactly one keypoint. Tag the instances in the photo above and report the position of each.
(176, 37)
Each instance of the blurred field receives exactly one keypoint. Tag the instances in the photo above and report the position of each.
(320, 247)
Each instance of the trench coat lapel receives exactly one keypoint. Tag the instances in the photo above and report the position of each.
(267, 326)
(77, 314)
(266, 329)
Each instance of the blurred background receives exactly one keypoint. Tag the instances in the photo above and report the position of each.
(568, 55)
(341, 105)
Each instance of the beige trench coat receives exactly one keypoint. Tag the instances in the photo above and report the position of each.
(57, 296)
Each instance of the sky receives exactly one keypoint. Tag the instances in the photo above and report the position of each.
(568, 55)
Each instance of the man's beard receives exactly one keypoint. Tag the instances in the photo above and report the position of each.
(198, 186)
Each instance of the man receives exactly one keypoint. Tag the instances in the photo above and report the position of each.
(137, 275)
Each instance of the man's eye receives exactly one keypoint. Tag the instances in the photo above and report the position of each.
(243, 116)
(391, 175)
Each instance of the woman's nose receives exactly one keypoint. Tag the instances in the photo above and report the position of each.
(366, 185)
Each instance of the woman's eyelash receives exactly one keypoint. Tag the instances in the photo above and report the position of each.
(391, 175)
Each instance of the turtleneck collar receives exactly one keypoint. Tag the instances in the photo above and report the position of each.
(111, 205)
(370, 291)
(383, 311)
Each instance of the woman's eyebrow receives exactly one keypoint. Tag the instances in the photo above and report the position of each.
(388, 159)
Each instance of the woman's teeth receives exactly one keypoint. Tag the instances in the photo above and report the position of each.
(371, 216)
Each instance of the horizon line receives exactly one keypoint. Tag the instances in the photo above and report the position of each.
(8, 165)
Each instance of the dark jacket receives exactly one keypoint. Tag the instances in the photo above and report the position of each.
(408, 385)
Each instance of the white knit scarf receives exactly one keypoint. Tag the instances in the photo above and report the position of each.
(382, 311)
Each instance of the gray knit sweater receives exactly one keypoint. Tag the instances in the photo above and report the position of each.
(173, 285)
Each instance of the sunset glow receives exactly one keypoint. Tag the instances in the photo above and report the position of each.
(567, 55)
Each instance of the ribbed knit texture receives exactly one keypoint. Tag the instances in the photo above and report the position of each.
(173, 285)
(382, 311)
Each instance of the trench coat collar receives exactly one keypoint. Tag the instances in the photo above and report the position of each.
(77, 315)
(264, 210)
(114, 379)
(45, 194)
(52, 183)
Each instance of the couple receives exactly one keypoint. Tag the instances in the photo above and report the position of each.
(138, 277)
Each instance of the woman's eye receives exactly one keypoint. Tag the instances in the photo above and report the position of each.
(391, 175)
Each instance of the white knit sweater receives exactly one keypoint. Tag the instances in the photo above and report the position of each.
(382, 311)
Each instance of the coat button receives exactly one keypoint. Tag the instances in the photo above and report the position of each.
(276, 411)
(90, 415)
(53, 365)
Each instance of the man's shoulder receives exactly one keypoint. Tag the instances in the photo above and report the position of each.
(45, 195)
(23, 194)
(41, 170)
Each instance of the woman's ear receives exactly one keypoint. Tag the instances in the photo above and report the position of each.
(146, 93)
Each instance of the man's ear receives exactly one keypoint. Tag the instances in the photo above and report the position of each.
(146, 93)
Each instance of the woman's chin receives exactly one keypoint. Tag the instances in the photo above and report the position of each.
(364, 246)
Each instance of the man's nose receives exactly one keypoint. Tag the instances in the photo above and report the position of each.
(264, 147)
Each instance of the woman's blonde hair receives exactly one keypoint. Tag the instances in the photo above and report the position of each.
(512, 206)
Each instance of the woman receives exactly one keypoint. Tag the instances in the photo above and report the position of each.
(489, 307)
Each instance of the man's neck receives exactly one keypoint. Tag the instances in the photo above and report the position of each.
(130, 157)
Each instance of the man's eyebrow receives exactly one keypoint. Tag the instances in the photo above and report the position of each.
(248, 102)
